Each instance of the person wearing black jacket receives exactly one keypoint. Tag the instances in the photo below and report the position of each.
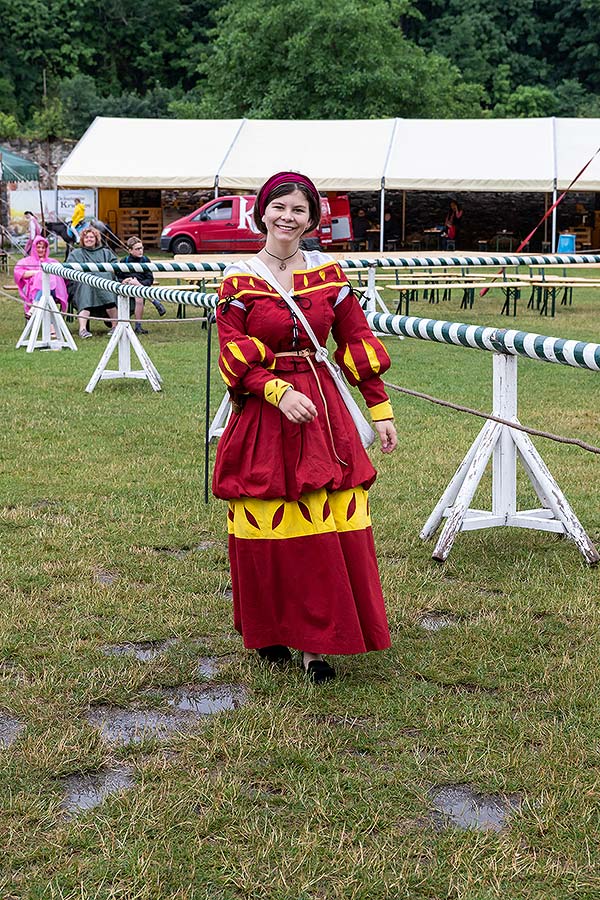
(146, 279)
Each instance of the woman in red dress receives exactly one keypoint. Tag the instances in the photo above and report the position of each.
(290, 461)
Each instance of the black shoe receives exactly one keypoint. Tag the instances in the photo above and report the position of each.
(139, 330)
(159, 308)
(277, 653)
(319, 671)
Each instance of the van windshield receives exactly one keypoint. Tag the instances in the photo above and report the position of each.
(217, 212)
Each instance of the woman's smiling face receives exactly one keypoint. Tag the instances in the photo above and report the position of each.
(287, 217)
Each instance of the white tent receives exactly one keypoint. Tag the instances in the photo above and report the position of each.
(408, 154)
(149, 153)
(368, 154)
(340, 155)
(472, 155)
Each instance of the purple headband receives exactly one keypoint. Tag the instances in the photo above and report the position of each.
(284, 178)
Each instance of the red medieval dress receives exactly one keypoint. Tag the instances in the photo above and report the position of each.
(303, 565)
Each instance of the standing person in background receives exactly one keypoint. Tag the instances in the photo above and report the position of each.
(78, 216)
(93, 300)
(146, 279)
(290, 461)
(360, 224)
(35, 230)
(453, 223)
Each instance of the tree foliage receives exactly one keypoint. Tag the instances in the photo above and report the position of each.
(343, 59)
(65, 61)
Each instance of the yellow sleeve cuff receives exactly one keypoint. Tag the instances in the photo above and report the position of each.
(275, 388)
(382, 411)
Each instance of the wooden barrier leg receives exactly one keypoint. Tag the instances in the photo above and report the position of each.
(507, 445)
(449, 496)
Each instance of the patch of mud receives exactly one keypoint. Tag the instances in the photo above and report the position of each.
(85, 791)
(460, 806)
(189, 705)
(181, 552)
(10, 729)
(142, 650)
(436, 620)
(106, 577)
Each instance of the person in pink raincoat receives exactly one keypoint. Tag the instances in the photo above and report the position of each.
(28, 277)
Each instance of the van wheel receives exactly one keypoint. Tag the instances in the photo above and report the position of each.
(182, 245)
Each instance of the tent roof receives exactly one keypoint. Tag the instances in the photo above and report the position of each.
(576, 141)
(16, 168)
(472, 154)
(338, 154)
(149, 153)
(409, 154)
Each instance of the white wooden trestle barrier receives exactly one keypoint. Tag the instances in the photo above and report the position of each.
(503, 444)
(46, 328)
(124, 340)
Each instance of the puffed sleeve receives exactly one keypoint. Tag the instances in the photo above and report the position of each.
(245, 362)
(362, 356)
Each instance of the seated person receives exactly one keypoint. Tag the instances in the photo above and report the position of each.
(87, 298)
(28, 277)
(136, 304)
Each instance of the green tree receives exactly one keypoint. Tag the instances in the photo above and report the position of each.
(478, 36)
(9, 127)
(306, 59)
(528, 102)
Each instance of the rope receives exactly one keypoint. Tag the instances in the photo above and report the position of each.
(482, 415)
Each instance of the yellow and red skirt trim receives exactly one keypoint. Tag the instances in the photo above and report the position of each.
(304, 573)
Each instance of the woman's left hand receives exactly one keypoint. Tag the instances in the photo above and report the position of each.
(387, 435)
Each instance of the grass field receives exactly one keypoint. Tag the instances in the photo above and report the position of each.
(300, 793)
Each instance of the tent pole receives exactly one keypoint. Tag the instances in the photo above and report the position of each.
(403, 218)
(555, 183)
(381, 217)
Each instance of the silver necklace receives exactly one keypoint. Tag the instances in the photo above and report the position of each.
(282, 259)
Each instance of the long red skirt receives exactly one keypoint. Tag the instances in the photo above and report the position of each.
(304, 573)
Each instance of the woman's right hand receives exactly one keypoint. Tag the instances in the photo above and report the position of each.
(297, 407)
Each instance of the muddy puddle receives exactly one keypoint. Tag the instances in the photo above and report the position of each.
(84, 791)
(188, 705)
(206, 701)
(10, 729)
(142, 650)
(106, 577)
(435, 621)
(181, 552)
(460, 806)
